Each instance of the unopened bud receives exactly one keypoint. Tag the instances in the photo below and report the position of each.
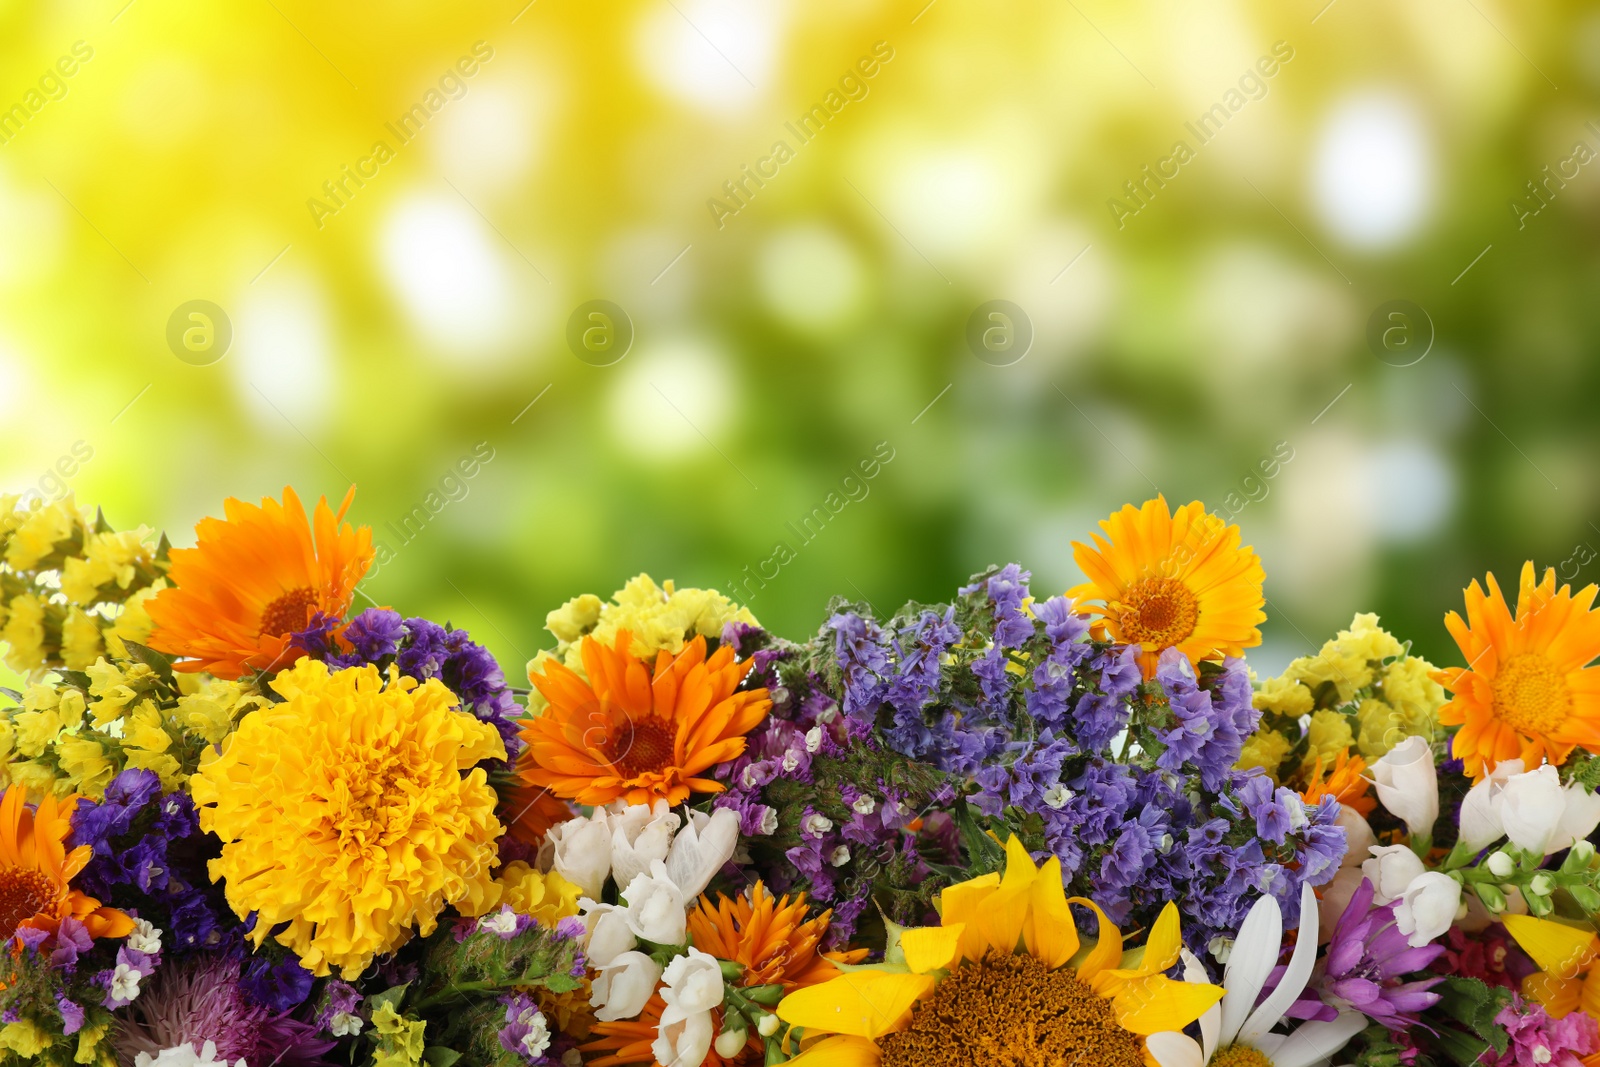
(1492, 898)
(1541, 885)
(1581, 856)
(768, 1025)
(729, 1042)
(1500, 865)
(1587, 898)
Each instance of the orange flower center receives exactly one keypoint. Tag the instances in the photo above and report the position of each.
(1010, 1011)
(1158, 612)
(290, 612)
(24, 893)
(1531, 694)
(642, 748)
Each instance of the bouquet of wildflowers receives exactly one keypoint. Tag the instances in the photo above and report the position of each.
(246, 823)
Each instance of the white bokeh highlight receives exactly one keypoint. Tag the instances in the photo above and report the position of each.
(1372, 170)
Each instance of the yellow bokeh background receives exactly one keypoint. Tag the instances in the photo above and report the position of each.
(1180, 337)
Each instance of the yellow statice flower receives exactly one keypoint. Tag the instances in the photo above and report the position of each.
(24, 1038)
(400, 1041)
(85, 763)
(1284, 695)
(133, 622)
(80, 640)
(210, 711)
(24, 633)
(1266, 749)
(302, 788)
(545, 898)
(1329, 735)
(661, 618)
(37, 535)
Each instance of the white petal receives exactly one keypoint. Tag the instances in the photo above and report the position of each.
(1255, 953)
(1295, 977)
(1313, 1043)
(1211, 1022)
(1173, 1049)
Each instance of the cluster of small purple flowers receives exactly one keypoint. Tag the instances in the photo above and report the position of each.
(421, 649)
(1035, 728)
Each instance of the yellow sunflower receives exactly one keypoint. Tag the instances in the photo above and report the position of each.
(1000, 979)
(1527, 691)
(1173, 580)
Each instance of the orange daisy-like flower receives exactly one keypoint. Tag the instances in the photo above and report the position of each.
(1527, 691)
(36, 871)
(255, 578)
(529, 811)
(639, 734)
(1173, 580)
(1343, 782)
(770, 938)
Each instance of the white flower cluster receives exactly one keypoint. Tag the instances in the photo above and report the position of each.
(184, 1055)
(660, 864)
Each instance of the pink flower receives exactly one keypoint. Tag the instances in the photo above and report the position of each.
(1537, 1040)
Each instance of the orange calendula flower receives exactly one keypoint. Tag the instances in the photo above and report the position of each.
(1173, 580)
(255, 578)
(1527, 691)
(529, 811)
(1002, 973)
(769, 937)
(1343, 782)
(36, 871)
(636, 733)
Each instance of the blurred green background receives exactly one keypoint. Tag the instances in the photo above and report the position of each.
(386, 327)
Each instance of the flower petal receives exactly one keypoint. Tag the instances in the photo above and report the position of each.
(1051, 934)
(1312, 1042)
(840, 1052)
(1294, 978)
(865, 1004)
(931, 948)
(1254, 955)
(962, 904)
(1151, 1005)
(1172, 1049)
(1107, 951)
(1557, 948)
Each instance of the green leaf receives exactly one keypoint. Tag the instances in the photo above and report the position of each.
(1474, 1005)
(561, 983)
(893, 952)
(439, 1056)
(391, 997)
(156, 661)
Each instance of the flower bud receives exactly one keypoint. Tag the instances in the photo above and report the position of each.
(1581, 856)
(1500, 865)
(1587, 898)
(1492, 898)
(1542, 885)
(768, 1025)
(729, 1042)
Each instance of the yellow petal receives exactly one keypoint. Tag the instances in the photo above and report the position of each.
(1051, 932)
(840, 1052)
(931, 948)
(1161, 948)
(1151, 1005)
(860, 1003)
(1006, 912)
(1557, 948)
(961, 904)
(1559, 997)
(1107, 952)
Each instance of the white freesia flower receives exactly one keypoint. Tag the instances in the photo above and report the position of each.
(624, 986)
(1408, 785)
(701, 848)
(1391, 870)
(692, 986)
(1531, 807)
(1238, 1021)
(1580, 819)
(1481, 825)
(184, 1055)
(1427, 908)
(583, 851)
(609, 933)
(640, 835)
(655, 907)
(145, 937)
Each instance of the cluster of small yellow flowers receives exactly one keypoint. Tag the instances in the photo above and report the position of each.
(71, 588)
(662, 618)
(1362, 694)
(76, 734)
(544, 897)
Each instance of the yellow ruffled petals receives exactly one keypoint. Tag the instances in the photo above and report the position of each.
(1051, 932)
(1156, 1004)
(1558, 949)
(932, 948)
(865, 1004)
(1107, 951)
(840, 1052)
(962, 904)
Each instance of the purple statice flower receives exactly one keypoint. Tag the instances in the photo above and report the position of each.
(1212, 723)
(72, 940)
(863, 655)
(375, 634)
(526, 1032)
(281, 986)
(71, 1014)
(1007, 592)
(1537, 1040)
(341, 1010)
(1365, 967)
(203, 998)
(505, 924)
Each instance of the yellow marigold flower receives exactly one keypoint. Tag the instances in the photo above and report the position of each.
(1330, 737)
(24, 1038)
(24, 632)
(80, 640)
(303, 791)
(545, 898)
(1266, 749)
(84, 762)
(36, 536)
(1285, 696)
